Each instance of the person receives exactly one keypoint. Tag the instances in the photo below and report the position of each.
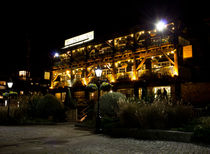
(164, 93)
(159, 93)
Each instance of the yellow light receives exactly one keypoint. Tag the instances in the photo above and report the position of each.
(134, 76)
(112, 79)
(67, 72)
(84, 81)
(51, 87)
(152, 57)
(160, 56)
(172, 51)
(131, 35)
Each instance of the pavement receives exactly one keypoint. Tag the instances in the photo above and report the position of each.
(67, 139)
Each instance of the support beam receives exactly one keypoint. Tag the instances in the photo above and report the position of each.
(176, 68)
(171, 61)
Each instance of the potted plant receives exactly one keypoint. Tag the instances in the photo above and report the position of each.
(92, 87)
(105, 86)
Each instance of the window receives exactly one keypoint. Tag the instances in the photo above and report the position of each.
(47, 75)
(121, 70)
(22, 75)
(77, 76)
(156, 90)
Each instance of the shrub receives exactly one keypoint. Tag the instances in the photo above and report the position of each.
(202, 130)
(108, 104)
(50, 107)
(157, 115)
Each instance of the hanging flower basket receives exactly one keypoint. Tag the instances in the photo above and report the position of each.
(11, 93)
(92, 87)
(105, 86)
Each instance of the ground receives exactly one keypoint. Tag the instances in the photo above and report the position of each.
(65, 138)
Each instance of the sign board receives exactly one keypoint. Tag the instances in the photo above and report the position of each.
(187, 51)
(79, 39)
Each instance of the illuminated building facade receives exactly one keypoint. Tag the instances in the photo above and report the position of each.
(133, 62)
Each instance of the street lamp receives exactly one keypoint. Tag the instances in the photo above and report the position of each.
(160, 26)
(9, 84)
(98, 73)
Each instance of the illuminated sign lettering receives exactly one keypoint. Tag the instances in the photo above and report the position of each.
(79, 39)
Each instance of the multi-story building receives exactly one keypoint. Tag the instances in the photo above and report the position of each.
(136, 63)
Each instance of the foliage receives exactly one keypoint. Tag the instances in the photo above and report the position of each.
(69, 101)
(108, 104)
(50, 107)
(105, 86)
(11, 93)
(202, 130)
(156, 115)
(92, 87)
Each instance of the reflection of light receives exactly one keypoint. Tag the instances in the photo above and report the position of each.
(67, 72)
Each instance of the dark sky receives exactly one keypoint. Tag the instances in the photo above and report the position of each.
(47, 24)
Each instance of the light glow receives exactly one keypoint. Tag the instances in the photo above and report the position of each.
(161, 25)
(56, 55)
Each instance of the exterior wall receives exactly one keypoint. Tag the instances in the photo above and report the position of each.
(196, 92)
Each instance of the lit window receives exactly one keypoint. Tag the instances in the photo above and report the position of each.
(22, 74)
(47, 75)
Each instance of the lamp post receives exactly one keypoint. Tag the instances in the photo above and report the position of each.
(9, 84)
(98, 73)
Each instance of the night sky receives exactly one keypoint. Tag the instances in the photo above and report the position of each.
(47, 25)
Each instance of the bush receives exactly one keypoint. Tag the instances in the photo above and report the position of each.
(50, 107)
(154, 116)
(202, 130)
(108, 104)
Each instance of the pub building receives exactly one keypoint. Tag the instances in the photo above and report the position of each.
(136, 63)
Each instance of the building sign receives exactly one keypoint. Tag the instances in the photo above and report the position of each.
(187, 51)
(79, 39)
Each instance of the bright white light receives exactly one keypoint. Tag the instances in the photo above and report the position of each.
(56, 54)
(161, 25)
(10, 84)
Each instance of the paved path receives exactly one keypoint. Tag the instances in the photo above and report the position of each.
(65, 139)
